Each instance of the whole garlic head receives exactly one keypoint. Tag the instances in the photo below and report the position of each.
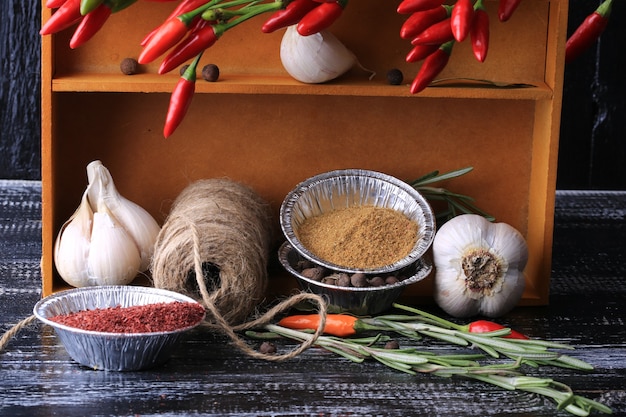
(479, 266)
(108, 240)
(315, 58)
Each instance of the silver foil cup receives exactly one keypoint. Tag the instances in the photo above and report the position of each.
(111, 351)
(355, 300)
(352, 188)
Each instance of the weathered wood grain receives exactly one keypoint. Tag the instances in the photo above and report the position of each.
(207, 377)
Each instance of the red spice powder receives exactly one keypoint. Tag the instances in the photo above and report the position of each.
(149, 318)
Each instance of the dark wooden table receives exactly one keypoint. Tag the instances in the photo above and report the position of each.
(207, 377)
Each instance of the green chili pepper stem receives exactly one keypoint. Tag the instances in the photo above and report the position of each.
(190, 72)
(253, 11)
(604, 9)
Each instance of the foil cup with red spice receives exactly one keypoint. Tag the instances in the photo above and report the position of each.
(114, 351)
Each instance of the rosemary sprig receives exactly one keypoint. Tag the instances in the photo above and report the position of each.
(532, 352)
(409, 360)
(456, 203)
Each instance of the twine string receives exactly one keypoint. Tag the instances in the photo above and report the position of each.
(230, 331)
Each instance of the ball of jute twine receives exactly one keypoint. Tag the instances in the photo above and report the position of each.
(235, 230)
(225, 224)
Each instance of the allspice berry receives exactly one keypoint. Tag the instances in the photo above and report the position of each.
(128, 66)
(210, 72)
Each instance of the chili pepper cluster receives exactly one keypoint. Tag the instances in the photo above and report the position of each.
(432, 26)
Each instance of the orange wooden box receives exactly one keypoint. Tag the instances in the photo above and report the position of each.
(259, 126)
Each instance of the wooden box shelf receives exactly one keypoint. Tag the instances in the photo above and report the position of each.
(259, 126)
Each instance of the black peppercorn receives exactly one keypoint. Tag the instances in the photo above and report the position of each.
(395, 76)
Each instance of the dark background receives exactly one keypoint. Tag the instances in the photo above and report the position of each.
(592, 151)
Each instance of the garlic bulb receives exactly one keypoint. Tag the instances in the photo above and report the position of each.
(479, 266)
(108, 240)
(315, 58)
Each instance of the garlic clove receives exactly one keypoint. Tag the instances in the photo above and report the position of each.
(113, 256)
(316, 58)
(72, 244)
(137, 222)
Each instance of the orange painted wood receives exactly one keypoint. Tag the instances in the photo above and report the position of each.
(259, 126)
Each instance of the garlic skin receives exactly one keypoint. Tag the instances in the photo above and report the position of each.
(141, 226)
(113, 258)
(315, 58)
(479, 267)
(71, 252)
(108, 240)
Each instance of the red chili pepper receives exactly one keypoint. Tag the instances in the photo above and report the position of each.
(506, 9)
(485, 326)
(182, 8)
(321, 17)
(90, 25)
(420, 21)
(431, 67)
(54, 4)
(412, 6)
(479, 34)
(588, 32)
(192, 45)
(65, 16)
(340, 325)
(168, 35)
(181, 97)
(438, 33)
(461, 19)
(420, 52)
(290, 15)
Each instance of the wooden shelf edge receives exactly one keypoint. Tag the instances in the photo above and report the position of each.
(271, 84)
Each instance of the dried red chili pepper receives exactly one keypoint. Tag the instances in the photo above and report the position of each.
(340, 325)
(412, 6)
(485, 326)
(506, 9)
(420, 52)
(588, 32)
(290, 15)
(461, 19)
(420, 21)
(321, 17)
(431, 67)
(438, 33)
(168, 35)
(479, 34)
(54, 4)
(65, 16)
(182, 8)
(197, 41)
(90, 25)
(181, 97)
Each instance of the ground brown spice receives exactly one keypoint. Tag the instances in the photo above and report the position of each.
(149, 318)
(359, 237)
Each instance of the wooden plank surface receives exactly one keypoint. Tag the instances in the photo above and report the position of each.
(207, 377)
